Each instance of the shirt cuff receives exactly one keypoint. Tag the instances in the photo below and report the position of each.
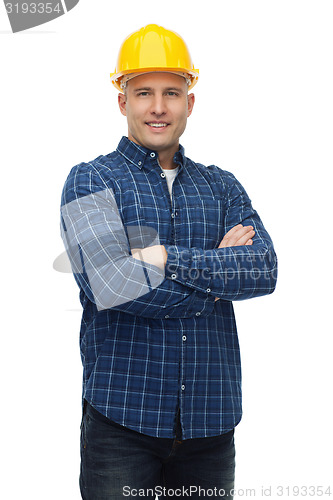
(188, 266)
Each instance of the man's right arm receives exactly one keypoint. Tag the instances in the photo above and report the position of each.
(100, 252)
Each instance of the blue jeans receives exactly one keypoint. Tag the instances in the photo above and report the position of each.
(119, 463)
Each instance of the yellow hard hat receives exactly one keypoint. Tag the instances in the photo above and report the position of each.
(154, 48)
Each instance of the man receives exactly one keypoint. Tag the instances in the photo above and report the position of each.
(160, 246)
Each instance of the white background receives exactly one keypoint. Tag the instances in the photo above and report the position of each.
(264, 112)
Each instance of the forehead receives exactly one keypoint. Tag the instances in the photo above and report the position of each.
(157, 80)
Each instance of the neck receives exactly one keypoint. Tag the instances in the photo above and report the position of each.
(165, 159)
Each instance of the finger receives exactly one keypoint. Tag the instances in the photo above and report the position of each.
(230, 236)
(244, 238)
(237, 236)
(233, 231)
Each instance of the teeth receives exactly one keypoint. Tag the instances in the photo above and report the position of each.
(158, 125)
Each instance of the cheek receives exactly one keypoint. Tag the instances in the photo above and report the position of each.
(181, 118)
(137, 117)
(181, 112)
(132, 119)
(138, 107)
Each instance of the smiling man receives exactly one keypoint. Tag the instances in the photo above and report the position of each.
(160, 246)
(157, 106)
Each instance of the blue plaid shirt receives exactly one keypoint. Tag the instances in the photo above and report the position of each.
(153, 342)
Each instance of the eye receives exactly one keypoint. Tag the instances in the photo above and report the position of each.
(143, 93)
(172, 93)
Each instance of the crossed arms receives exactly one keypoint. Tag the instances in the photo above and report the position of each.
(152, 280)
(157, 255)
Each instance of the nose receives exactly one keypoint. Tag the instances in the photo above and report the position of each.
(158, 105)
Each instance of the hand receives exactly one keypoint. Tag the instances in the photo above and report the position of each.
(155, 255)
(238, 236)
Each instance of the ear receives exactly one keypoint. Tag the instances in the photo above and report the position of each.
(122, 103)
(190, 104)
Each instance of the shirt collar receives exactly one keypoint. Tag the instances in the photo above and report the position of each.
(138, 155)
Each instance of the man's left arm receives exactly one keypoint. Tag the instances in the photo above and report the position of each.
(228, 272)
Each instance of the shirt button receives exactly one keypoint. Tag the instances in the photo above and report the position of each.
(162, 174)
(152, 155)
(174, 276)
(167, 316)
(208, 290)
(183, 387)
(173, 215)
(198, 313)
(184, 338)
(139, 162)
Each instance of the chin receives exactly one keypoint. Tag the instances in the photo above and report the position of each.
(156, 145)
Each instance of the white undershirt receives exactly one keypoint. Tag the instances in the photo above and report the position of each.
(170, 175)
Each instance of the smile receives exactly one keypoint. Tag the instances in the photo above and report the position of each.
(157, 125)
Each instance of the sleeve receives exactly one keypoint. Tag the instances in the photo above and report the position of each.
(231, 273)
(99, 249)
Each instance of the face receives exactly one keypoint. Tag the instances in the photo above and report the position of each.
(157, 107)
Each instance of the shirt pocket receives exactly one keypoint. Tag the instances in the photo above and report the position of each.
(205, 222)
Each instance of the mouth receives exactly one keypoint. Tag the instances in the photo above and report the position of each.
(157, 125)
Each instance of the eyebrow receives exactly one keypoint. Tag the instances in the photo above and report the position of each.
(177, 89)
